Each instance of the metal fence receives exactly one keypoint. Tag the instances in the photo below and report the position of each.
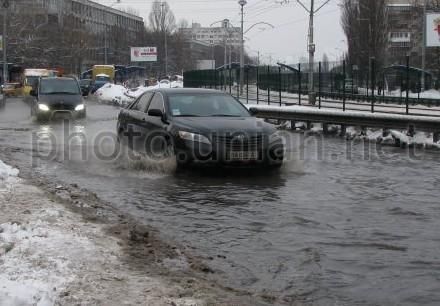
(395, 89)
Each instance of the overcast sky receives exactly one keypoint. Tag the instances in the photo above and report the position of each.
(287, 42)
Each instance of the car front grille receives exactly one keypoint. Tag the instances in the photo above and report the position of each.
(239, 142)
(60, 106)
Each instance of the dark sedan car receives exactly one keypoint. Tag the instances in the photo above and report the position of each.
(199, 126)
(57, 97)
(86, 86)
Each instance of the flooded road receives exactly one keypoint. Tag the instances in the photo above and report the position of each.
(344, 223)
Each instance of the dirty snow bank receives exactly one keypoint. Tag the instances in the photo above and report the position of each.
(427, 94)
(6, 171)
(394, 137)
(118, 94)
(34, 261)
(112, 93)
(51, 255)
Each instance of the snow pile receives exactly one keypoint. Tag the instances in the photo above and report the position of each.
(428, 94)
(40, 257)
(7, 172)
(394, 137)
(118, 94)
(33, 265)
(420, 139)
(113, 93)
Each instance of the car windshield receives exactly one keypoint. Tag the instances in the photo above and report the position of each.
(58, 86)
(205, 105)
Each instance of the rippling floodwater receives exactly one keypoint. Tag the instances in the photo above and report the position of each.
(344, 226)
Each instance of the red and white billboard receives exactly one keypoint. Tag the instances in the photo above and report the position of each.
(143, 54)
(433, 30)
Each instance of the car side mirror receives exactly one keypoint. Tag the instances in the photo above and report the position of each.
(155, 113)
(33, 93)
(253, 111)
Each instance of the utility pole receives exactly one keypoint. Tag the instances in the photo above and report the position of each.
(105, 39)
(162, 5)
(5, 40)
(422, 85)
(311, 45)
(106, 34)
(242, 4)
(311, 49)
(226, 37)
(226, 53)
(213, 55)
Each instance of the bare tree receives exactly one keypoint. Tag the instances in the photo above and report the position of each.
(161, 17)
(183, 24)
(365, 25)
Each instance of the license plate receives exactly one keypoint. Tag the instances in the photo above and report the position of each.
(243, 155)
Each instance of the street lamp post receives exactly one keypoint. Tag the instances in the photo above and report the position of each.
(5, 39)
(423, 81)
(242, 4)
(162, 6)
(105, 33)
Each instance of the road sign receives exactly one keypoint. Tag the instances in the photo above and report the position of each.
(143, 54)
(433, 30)
(1, 42)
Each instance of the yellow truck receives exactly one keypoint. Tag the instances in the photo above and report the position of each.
(102, 74)
(31, 77)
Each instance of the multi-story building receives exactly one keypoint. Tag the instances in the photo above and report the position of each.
(87, 28)
(216, 44)
(406, 33)
(225, 34)
(406, 37)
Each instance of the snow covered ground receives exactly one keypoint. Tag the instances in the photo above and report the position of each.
(6, 171)
(420, 139)
(118, 94)
(112, 93)
(428, 94)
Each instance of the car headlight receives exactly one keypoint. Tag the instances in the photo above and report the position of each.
(79, 107)
(43, 107)
(194, 137)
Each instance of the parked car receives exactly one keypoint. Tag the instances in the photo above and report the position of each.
(12, 89)
(99, 81)
(86, 86)
(57, 97)
(198, 126)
